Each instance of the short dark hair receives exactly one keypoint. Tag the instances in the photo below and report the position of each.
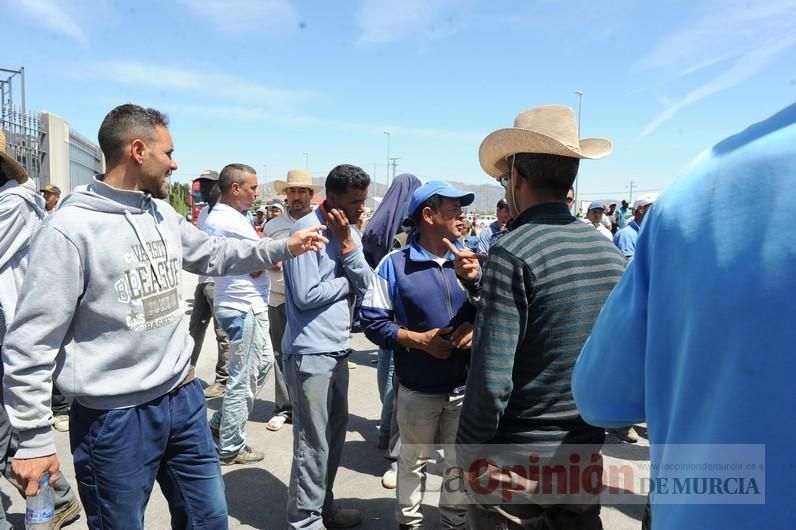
(125, 123)
(231, 174)
(209, 190)
(434, 202)
(501, 204)
(346, 176)
(550, 173)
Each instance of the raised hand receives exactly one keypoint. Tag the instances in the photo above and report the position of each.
(306, 240)
(338, 223)
(467, 263)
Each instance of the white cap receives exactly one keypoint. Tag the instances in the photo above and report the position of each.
(644, 200)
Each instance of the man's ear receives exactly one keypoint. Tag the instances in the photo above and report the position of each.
(137, 149)
(427, 214)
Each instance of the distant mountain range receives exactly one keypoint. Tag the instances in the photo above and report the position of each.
(486, 195)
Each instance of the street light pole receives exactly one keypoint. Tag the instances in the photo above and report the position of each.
(387, 177)
(578, 93)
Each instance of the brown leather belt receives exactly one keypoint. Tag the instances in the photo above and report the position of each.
(190, 376)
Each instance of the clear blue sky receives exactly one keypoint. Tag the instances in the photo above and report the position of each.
(264, 81)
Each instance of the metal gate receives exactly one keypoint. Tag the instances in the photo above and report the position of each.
(23, 139)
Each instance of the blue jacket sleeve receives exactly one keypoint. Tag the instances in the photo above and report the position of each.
(609, 378)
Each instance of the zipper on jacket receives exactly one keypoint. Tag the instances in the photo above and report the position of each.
(447, 290)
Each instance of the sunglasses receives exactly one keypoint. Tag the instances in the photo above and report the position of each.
(504, 181)
(570, 199)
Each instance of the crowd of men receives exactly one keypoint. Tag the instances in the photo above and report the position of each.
(544, 333)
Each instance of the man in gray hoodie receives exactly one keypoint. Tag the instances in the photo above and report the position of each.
(114, 335)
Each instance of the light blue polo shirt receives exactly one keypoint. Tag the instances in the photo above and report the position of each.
(625, 239)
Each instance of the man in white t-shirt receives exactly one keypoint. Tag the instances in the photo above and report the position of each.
(594, 215)
(299, 189)
(241, 307)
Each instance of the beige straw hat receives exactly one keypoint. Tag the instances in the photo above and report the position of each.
(9, 167)
(549, 129)
(296, 178)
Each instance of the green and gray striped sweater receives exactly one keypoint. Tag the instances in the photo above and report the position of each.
(541, 292)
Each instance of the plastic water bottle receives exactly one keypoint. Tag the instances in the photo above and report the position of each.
(41, 507)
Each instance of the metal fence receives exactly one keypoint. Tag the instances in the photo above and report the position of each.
(23, 139)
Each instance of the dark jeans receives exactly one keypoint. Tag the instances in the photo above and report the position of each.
(277, 317)
(201, 314)
(535, 517)
(119, 454)
(60, 405)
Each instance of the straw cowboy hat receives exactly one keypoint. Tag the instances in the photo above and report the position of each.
(549, 129)
(9, 167)
(296, 178)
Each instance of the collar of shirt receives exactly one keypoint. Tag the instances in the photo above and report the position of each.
(634, 225)
(418, 253)
(547, 213)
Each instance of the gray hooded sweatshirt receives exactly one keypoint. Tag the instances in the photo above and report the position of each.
(21, 211)
(101, 305)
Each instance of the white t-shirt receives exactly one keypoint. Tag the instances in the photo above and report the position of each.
(604, 231)
(243, 291)
(200, 224)
(278, 228)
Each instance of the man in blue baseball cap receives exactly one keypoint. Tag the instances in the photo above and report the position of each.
(417, 308)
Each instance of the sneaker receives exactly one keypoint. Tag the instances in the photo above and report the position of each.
(276, 423)
(61, 423)
(214, 391)
(626, 434)
(389, 480)
(247, 455)
(342, 518)
(352, 365)
(66, 515)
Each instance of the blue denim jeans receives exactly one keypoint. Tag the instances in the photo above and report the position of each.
(319, 391)
(384, 372)
(119, 453)
(250, 360)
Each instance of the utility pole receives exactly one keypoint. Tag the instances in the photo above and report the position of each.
(394, 162)
(387, 176)
(578, 93)
(631, 186)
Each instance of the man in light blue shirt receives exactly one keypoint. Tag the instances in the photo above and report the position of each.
(320, 295)
(704, 315)
(626, 238)
(499, 227)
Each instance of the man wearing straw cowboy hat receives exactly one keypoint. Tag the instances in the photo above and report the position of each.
(546, 282)
(21, 211)
(299, 190)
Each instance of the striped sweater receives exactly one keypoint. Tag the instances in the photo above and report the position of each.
(545, 285)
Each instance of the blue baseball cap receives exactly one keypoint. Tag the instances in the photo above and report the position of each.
(437, 187)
